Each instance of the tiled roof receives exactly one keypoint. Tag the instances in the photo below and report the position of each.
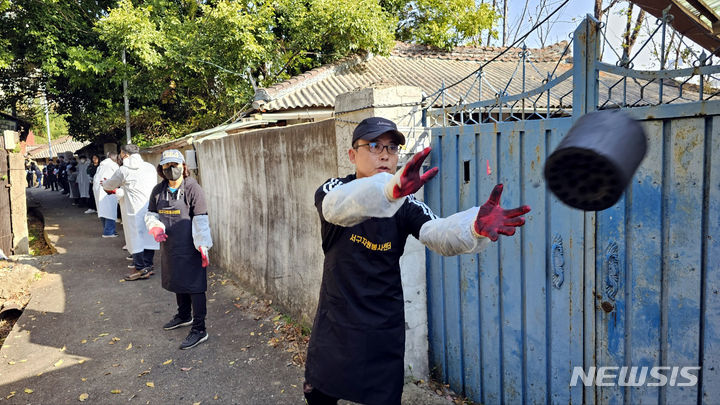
(430, 69)
(410, 64)
(60, 145)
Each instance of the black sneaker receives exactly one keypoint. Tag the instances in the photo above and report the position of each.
(177, 322)
(193, 339)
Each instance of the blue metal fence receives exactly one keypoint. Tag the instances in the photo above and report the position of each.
(635, 285)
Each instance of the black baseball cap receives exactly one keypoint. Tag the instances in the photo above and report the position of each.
(371, 128)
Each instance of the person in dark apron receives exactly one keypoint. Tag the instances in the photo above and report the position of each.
(357, 345)
(177, 218)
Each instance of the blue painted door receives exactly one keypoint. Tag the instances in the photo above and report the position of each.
(657, 262)
(506, 326)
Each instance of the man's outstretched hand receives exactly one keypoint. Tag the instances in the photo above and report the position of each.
(492, 219)
(408, 180)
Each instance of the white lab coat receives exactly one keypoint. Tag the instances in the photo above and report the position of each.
(136, 178)
(106, 203)
(83, 179)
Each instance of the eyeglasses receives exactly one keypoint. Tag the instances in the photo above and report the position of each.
(377, 148)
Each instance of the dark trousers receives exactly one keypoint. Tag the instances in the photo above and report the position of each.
(196, 302)
(143, 259)
(92, 198)
(315, 397)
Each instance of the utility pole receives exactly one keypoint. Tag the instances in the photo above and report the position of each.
(505, 22)
(47, 125)
(127, 103)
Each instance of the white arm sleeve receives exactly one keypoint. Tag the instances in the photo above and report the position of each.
(115, 181)
(201, 231)
(352, 203)
(453, 235)
(152, 220)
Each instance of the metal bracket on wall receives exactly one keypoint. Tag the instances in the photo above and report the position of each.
(558, 261)
(612, 277)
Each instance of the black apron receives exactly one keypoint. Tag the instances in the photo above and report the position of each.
(181, 263)
(357, 345)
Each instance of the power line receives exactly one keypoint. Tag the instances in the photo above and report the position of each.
(522, 38)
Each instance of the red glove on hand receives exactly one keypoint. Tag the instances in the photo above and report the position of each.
(110, 191)
(204, 255)
(408, 180)
(492, 219)
(158, 233)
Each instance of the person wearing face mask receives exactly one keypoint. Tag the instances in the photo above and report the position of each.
(83, 181)
(357, 345)
(177, 217)
(134, 181)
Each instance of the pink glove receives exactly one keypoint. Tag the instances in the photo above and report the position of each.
(408, 180)
(204, 254)
(158, 233)
(492, 219)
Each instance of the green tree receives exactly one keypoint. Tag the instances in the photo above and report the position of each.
(444, 23)
(192, 65)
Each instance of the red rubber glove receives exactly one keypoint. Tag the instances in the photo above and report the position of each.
(110, 191)
(204, 255)
(408, 180)
(492, 219)
(158, 233)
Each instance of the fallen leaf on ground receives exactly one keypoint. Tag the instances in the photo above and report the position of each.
(83, 341)
(143, 373)
(23, 361)
(11, 363)
(28, 391)
(129, 347)
(116, 339)
(103, 334)
(122, 281)
(83, 397)
(197, 403)
(59, 362)
(63, 348)
(216, 397)
(83, 379)
(81, 361)
(116, 365)
(185, 368)
(12, 394)
(150, 384)
(166, 362)
(115, 391)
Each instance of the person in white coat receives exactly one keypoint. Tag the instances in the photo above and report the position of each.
(106, 203)
(136, 178)
(83, 181)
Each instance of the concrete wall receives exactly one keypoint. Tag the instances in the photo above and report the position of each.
(260, 187)
(18, 204)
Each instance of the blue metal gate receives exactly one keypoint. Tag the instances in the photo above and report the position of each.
(636, 285)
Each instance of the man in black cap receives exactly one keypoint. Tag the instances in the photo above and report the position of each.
(357, 346)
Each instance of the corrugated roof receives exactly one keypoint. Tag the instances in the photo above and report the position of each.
(414, 65)
(61, 145)
(318, 88)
